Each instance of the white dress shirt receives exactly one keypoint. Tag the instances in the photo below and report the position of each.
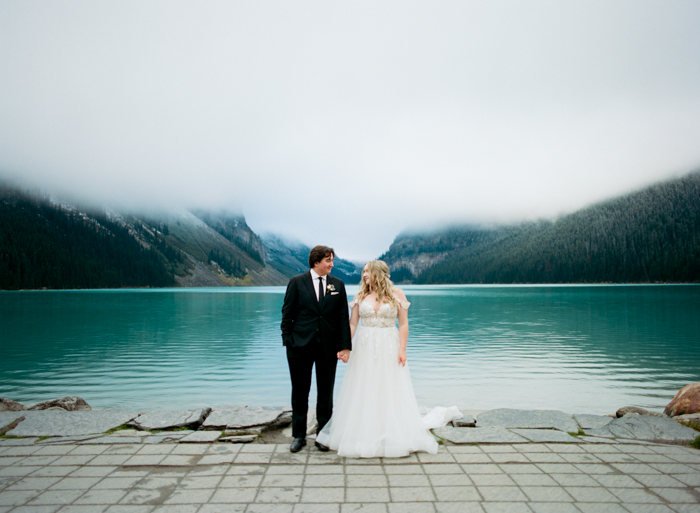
(315, 277)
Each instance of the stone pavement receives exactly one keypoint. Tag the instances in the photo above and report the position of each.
(84, 476)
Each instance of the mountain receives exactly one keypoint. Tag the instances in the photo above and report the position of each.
(48, 244)
(652, 235)
(292, 257)
(44, 245)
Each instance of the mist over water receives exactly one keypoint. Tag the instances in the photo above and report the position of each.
(581, 349)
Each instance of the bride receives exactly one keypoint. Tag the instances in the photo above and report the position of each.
(376, 412)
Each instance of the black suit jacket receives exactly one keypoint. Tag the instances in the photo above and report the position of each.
(303, 320)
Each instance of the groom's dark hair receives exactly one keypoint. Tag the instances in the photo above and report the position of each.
(319, 253)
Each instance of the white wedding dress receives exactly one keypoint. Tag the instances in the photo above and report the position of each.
(376, 413)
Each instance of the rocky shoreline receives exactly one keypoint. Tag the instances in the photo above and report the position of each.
(51, 423)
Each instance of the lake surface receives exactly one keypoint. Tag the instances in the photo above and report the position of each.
(581, 349)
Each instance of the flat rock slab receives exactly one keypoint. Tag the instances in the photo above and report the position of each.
(201, 437)
(7, 418)
(586, 421)
(688, 417)
(533, 419)
(71, 423)
(546, 435)
(644, 427)
(111, 440)
(17, 441)
(167, 437)
(68, 439)
(597, 440)
(169, 419)
(238, 417)
(244, 439)
(466, 421)
(479, 435)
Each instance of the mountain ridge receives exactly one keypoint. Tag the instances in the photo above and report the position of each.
(45, 243)
(650, 235)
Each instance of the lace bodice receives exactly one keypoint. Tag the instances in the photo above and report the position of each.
(384, 318)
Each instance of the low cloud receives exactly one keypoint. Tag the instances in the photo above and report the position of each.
(347, 123)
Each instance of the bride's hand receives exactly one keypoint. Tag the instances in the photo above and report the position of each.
(402, 358)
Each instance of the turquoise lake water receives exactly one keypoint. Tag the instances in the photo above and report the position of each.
(581, 349)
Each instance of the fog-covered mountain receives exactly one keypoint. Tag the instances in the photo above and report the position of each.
(292, 257)
(49, 244)
(652, 235)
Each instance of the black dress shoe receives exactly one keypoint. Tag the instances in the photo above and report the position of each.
(321, 447)
(297, 444)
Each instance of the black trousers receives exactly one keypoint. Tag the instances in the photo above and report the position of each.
(301, 361)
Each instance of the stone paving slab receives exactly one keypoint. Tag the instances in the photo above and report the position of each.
(266, 478)
(238, 417)
(543, 419)
(70, 423)
(484, 435)
(644, 427)
(168, 419)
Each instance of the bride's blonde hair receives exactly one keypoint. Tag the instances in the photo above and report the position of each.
(379, 283)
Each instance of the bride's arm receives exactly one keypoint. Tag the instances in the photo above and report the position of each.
(354, 316)
(403, 325)
(344, 355)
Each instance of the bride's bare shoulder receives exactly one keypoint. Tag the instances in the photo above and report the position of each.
(399, 294)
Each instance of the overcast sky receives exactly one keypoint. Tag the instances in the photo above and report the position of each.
(347, 122)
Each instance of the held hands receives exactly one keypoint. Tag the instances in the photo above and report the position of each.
(344, 355)
(402, 358)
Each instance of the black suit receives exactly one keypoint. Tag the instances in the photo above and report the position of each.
(313, 334)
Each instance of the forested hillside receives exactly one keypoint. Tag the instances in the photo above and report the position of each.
(652, 235)
(43, 245)
(47, 244)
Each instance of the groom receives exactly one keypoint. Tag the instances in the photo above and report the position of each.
(315, 330)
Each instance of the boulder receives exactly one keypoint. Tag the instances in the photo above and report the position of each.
(68, 403)
(689, 417)
(10, 405)
(686, 401)
(639, 411)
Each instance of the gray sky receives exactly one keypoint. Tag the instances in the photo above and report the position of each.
(345, 123)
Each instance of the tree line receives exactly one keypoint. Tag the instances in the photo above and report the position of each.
(649, 236)
(44, 245)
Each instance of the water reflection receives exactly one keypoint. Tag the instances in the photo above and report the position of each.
(579, 349)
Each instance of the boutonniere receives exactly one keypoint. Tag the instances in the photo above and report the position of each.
(330, 288)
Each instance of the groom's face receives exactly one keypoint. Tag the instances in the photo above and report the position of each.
(324, 267)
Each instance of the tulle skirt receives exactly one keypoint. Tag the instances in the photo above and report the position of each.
(376, 413)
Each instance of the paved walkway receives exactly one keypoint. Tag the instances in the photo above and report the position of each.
(206, 478)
